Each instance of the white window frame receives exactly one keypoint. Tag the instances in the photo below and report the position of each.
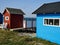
(53, 22)
(6, 17)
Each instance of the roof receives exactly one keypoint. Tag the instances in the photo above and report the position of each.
(15, 11)
(48, 8)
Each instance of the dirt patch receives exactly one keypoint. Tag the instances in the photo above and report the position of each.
(27, 34)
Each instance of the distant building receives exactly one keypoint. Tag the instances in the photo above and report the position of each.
(48, 22)
(13, 18)
(29, 22)
(1, 20)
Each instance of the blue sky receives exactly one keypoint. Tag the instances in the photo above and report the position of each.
(28, 6)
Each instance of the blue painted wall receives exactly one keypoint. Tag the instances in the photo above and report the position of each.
(29, 22)
(50, 33)
(1, 18)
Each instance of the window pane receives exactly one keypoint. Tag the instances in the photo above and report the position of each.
(56, 21)
(50, 21)
(45, 21)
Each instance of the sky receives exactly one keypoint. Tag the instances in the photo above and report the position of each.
(28, 6)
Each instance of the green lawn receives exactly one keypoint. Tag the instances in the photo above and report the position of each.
(11, 38)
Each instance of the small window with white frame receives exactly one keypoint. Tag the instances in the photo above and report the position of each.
(7, 18)
(51, 21)
(45, 21)
(56, 22)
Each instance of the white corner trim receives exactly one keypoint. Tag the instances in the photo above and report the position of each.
(7, 11)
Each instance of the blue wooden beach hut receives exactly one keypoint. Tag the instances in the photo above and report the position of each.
(48, 22)
(1, 18)
(29, 22)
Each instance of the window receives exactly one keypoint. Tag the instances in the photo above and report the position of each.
(56, 21)
(6, 18)
(45, 21)
(52, 22)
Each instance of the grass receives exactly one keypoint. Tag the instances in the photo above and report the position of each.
(45, 42)
(11, 38)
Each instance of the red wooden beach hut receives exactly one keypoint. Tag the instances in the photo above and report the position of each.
(13, 18)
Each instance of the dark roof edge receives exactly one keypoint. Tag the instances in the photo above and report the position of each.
(52, 2)
(14, 8)
(38, 8)
(44, 4)
(11, 8)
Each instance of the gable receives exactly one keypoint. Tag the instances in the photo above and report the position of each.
(6, 12)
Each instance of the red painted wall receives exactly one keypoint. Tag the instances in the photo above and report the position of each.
(6, 21)
(15, 20)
